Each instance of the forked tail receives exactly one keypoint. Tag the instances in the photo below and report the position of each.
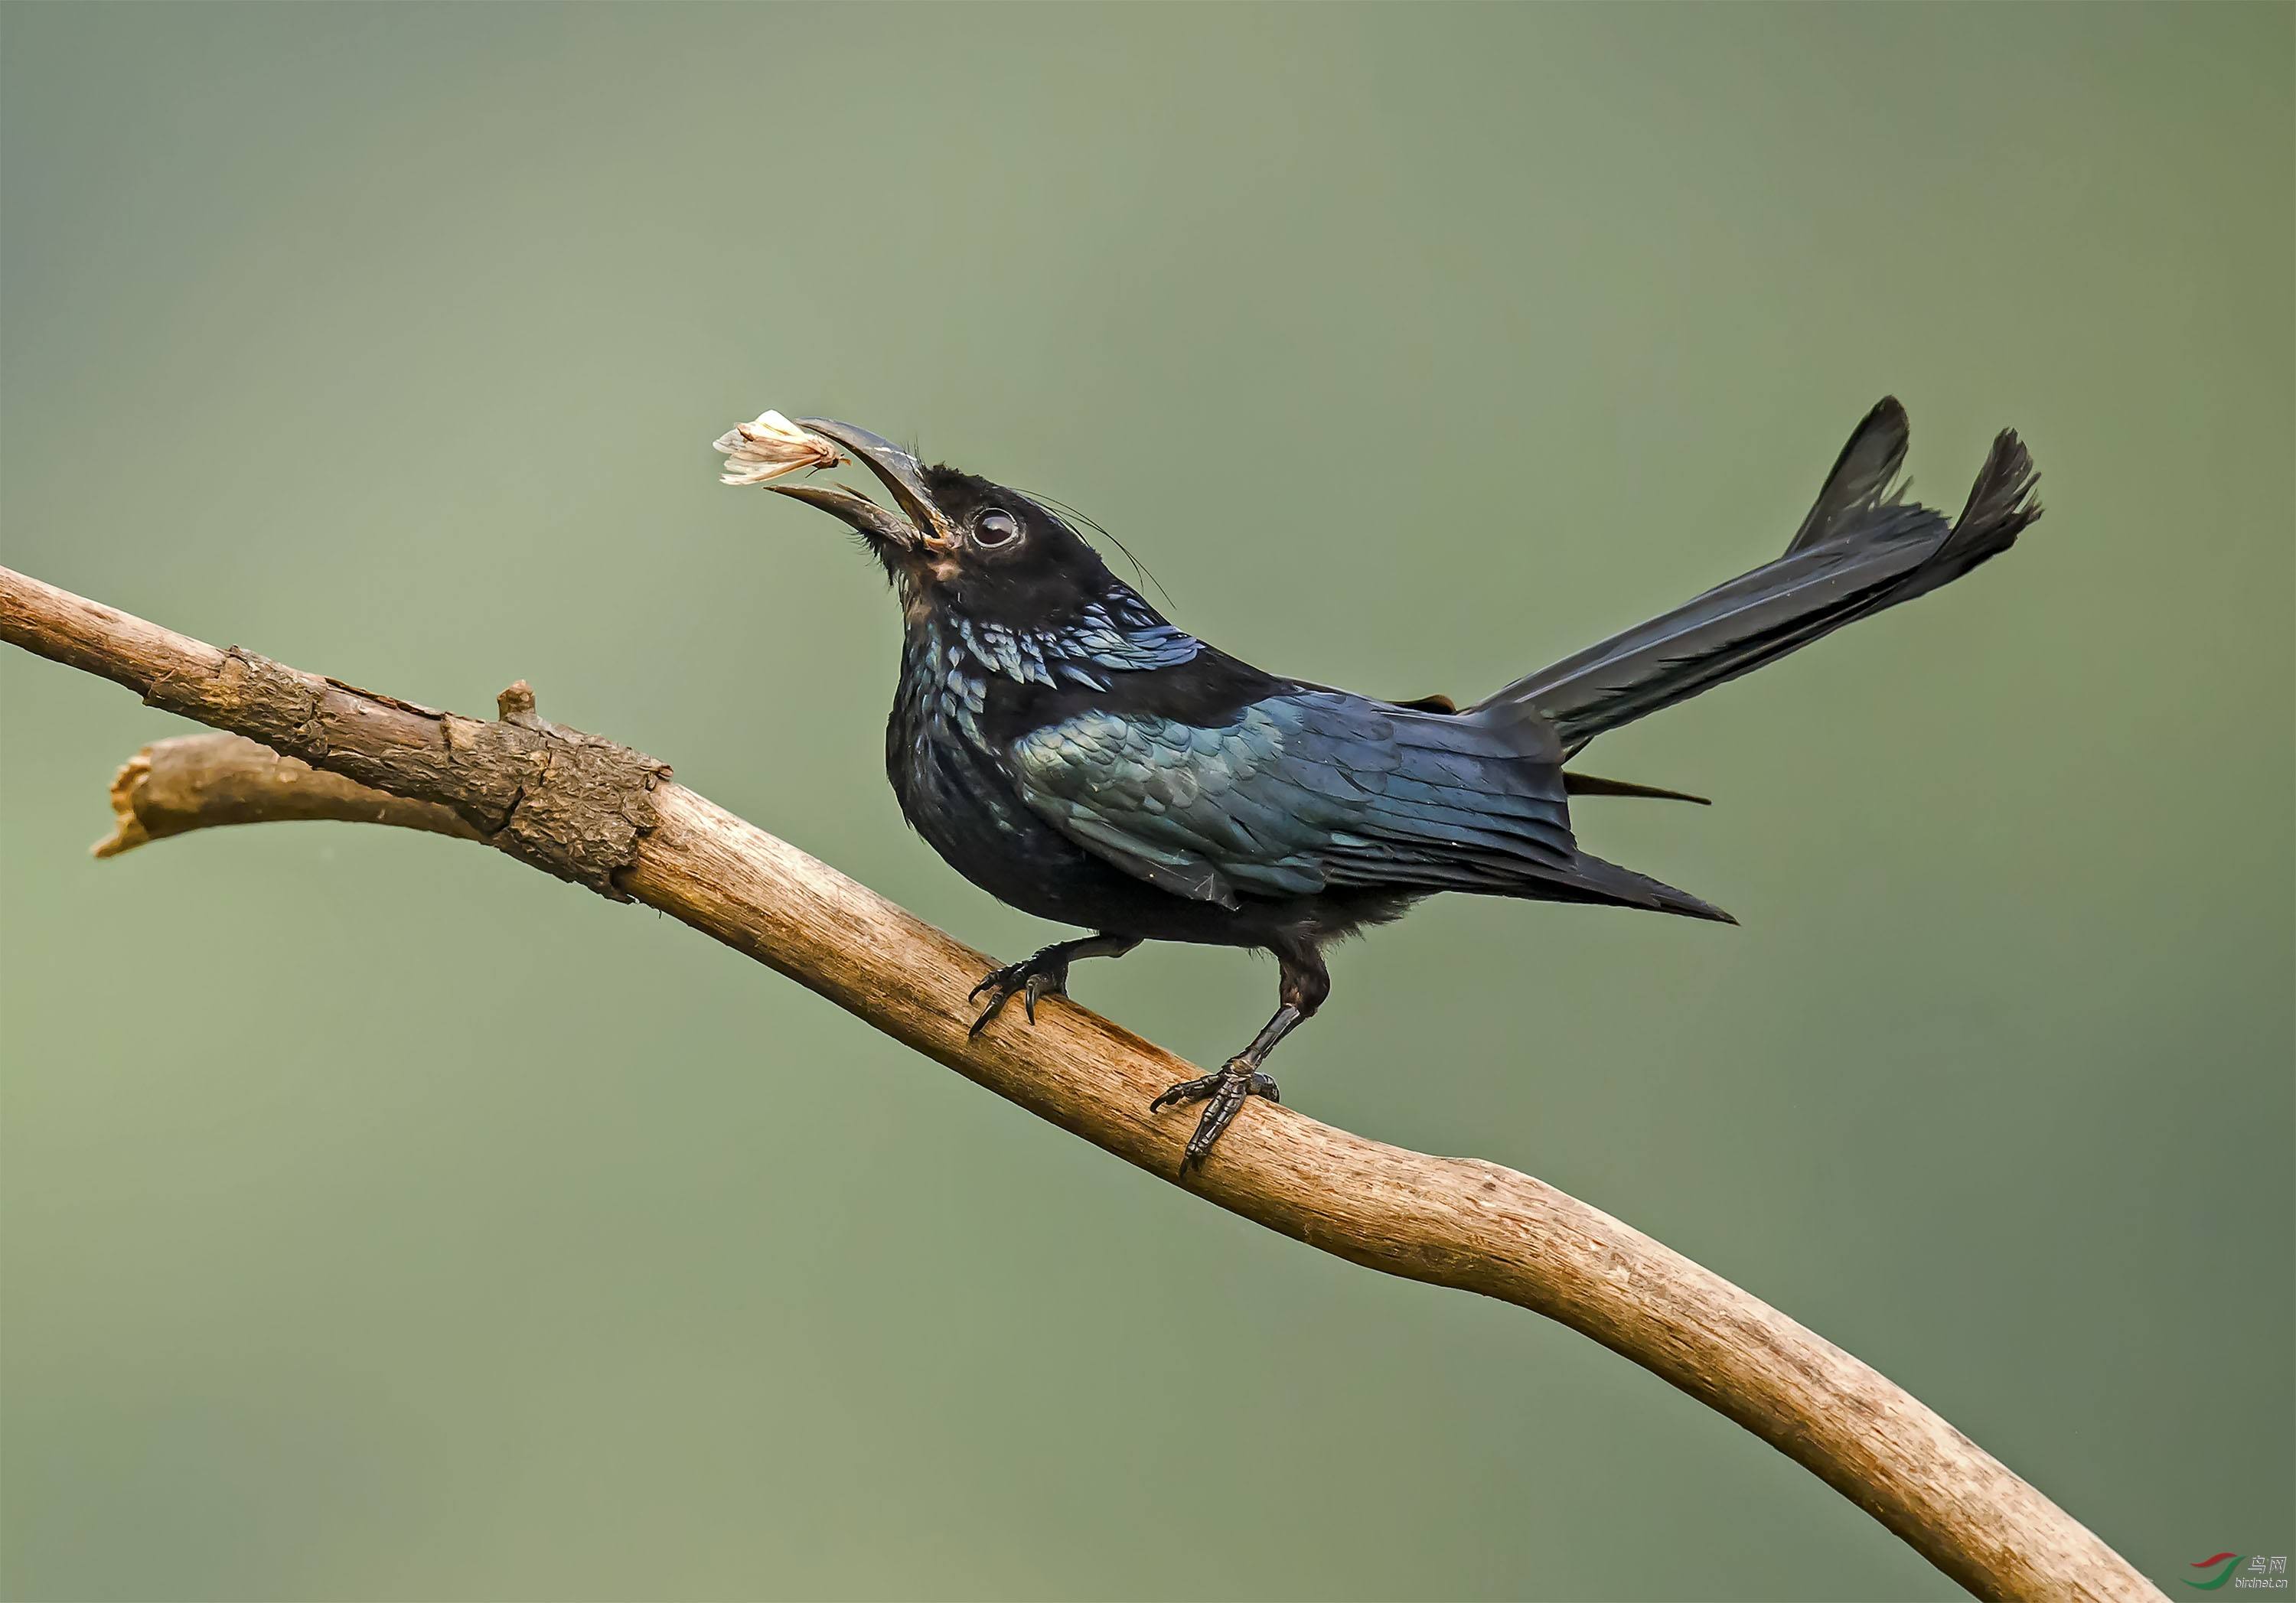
(1862, 548)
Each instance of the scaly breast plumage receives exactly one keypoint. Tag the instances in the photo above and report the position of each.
(948, 781)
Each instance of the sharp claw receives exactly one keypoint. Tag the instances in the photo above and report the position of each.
(1186, 1090)
(988, 1014)
(1023, 979)
(992, 980)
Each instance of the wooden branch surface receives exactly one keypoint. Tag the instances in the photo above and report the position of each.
(610, 818)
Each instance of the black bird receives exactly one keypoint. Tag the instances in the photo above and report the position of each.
(1071, 752)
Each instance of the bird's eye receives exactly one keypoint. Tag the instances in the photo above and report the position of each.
(995, 527)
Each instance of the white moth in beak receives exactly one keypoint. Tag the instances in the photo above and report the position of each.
(770, 446)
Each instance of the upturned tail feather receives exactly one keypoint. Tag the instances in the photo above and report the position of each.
(1863, 547)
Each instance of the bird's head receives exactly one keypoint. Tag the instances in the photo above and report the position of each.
(958, 543)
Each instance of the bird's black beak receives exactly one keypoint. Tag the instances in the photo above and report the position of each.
(918, 526)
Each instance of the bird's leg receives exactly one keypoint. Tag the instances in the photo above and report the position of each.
(1045, 974)
(1304, 987)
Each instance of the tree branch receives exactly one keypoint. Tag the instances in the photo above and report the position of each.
(204, 782)
(607, 817)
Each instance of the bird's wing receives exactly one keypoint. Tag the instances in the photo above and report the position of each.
(1298, 793)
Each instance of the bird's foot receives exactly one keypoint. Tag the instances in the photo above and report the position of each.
(1224, 1091)
(1043, 974)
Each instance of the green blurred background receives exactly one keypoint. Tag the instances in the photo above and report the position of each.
(383, 1219)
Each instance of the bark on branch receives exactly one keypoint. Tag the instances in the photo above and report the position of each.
(605, 816)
